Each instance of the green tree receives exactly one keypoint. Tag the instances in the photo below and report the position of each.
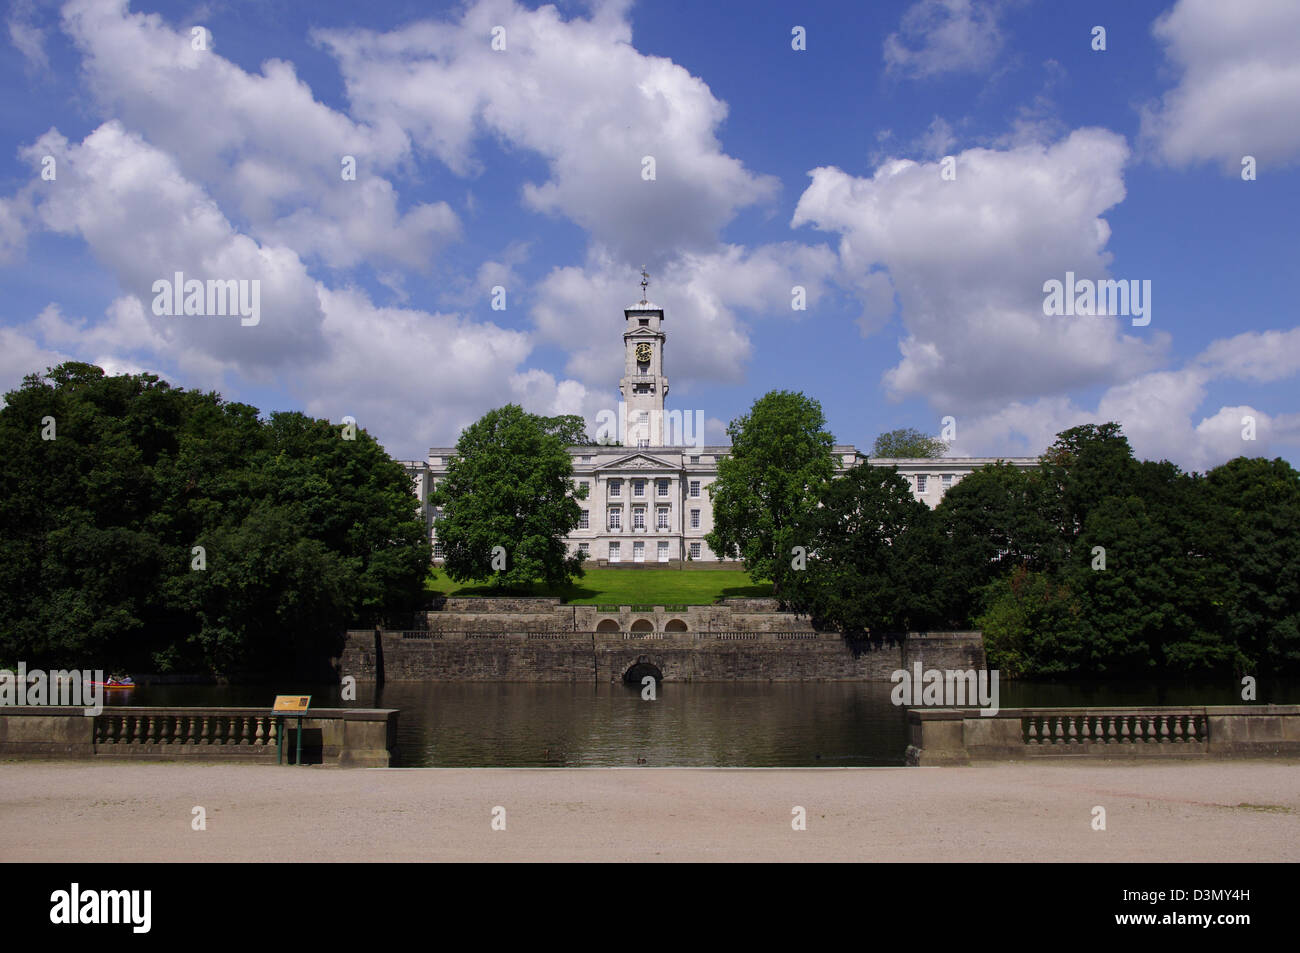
(908, 443)
(1032, 625)
(1253, 534)
(570, 428)
(303, 533)
(1085, 465)
(509, 486)
(780, 461)
(990, 522)
(868, 567)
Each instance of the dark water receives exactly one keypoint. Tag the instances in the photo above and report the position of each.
(749, 724)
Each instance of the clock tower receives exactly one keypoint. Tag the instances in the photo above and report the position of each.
(643, 385)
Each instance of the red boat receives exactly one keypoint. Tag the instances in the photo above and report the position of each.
(113, 685)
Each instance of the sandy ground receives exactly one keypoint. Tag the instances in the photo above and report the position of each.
(1188, 811)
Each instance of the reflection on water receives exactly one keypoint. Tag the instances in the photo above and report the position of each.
(751, 724)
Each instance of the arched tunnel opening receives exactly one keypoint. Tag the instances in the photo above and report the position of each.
(635, 674)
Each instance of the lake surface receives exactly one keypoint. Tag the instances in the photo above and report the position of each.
(735, 724)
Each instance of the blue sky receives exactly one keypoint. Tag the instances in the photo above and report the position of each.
(522, 168)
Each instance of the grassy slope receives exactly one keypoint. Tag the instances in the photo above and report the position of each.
(630, 587)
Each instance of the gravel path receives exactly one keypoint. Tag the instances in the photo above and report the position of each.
(1167, 811)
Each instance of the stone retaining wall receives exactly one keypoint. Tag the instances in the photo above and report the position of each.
(786, 655)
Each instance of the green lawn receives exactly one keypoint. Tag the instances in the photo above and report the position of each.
(629, 587)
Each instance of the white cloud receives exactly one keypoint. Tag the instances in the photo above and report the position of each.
(1160, 411)
(13, 233)
(967, 260)
(20, 355)
(261, 144)
(702, 295)
(940, 36)
(411, 377)
(145, 221)
(1239, 91)
(577, 93)
(1255, 356)
(27, 38)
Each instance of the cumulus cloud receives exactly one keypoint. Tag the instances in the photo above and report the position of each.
(1161, 411)
(410, 376)
(703, 295)
(145, 221)
(261, 143)
(941, 36)
(577, 93)
(1239, 89)
(967, 259)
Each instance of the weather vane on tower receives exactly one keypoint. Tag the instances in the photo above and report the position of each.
(645, 280)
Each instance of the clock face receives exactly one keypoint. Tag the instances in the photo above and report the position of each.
(643, 353)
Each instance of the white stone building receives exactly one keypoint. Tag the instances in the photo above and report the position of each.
(648, 500)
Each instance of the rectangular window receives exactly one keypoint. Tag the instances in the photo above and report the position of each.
(638, 487)
(584, 548)
(638, 552)
(614, 555)
(695, 488)
(695, 459)
(947, 480)
(584, 522)
(663, 551)
(662, 487)
(695, 550)
(615, 487)
(695, 519)
(662, 521)
(920, 483)
(615, 518)
(638, 517)
(586, 458)
(438, 551)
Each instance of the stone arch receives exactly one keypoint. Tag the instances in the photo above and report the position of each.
(640, 669)
(609, 625)
(643, 625)
(675, 625)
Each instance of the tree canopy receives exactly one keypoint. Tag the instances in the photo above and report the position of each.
(509, 486)
(147, 526)
(906, 443)
(779, 463)
(869, 565)
(1094, 564)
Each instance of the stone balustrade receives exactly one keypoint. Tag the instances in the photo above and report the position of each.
(359, 737)
(1109, 728)
(961, 735)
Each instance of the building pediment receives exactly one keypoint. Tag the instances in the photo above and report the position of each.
(637, 461)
